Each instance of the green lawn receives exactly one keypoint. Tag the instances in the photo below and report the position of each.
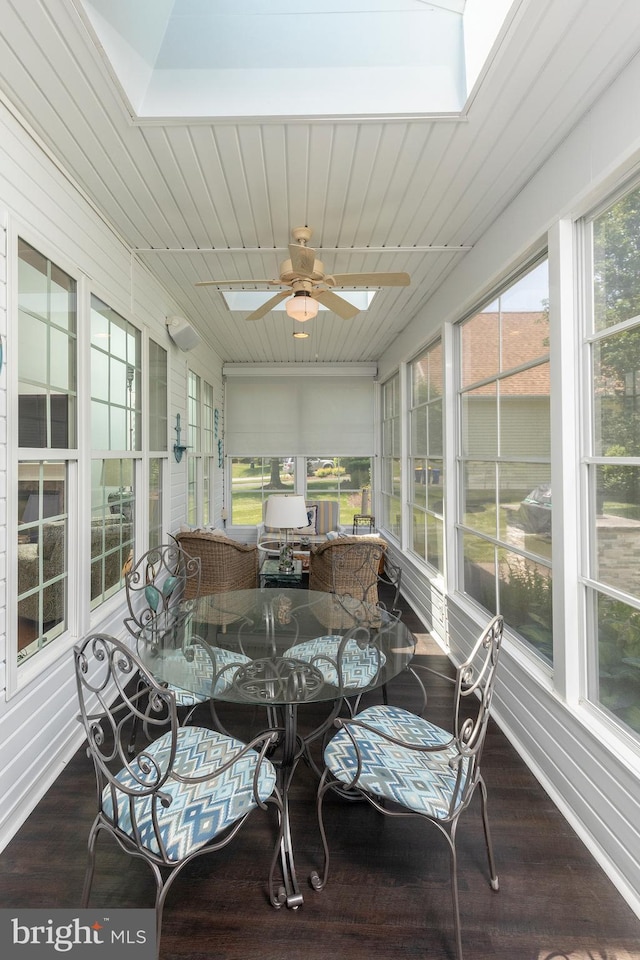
(630, 511)
(247, 501)
(250, 484)
(483, 520)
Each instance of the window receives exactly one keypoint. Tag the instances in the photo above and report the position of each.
(46, 422)
(42, 554)
(115, 428)
(613, 460)
(115, 380)
(193, 412)
(253, 480)
(158, 425)
(391, 462)
(158, 392)
(504, 529)
(156, 490)
(112, 525)
(208, 442)
(426, 456)
(202, 440)
(345, 479)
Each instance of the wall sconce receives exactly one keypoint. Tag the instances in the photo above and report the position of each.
(178, 448)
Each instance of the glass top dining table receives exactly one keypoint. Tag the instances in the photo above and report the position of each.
(272, 646)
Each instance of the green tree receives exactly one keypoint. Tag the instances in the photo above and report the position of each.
(275, 483)
(359, 469)
(616, 264)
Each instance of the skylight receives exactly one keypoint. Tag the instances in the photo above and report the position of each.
(248, 58)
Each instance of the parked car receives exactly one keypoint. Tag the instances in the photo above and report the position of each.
(318, 463)
(535, 510)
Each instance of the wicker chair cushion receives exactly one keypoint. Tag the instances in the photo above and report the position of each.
(422, 782)
(197, 811)
(328, 515)
(358, 665)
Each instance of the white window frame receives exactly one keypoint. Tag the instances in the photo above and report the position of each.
(613, 729)
(20, 676)
(458, 527)
(411, 457)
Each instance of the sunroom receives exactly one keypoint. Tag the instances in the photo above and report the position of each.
(485, 414)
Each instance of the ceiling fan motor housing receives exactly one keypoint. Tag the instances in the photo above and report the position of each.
(288, 274)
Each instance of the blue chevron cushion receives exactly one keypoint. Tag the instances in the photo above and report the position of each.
(422, 782)
(198, 811)
(197, 673)
(359, 665)
(184, 698)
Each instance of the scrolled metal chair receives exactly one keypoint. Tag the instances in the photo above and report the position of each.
(349, 570)
(347, 662)
(162, 590)
(404, 765)
(156, 588)
(185, 792)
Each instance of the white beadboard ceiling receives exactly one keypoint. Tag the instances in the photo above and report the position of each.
(204, 197)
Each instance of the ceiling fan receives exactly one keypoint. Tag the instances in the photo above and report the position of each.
(305, 276)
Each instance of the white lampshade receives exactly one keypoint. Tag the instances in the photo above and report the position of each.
(301, 306)
(286, 512)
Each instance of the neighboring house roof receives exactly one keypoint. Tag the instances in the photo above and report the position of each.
(494, 342)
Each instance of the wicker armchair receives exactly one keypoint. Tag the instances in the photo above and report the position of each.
(348, 568)
(226, 566)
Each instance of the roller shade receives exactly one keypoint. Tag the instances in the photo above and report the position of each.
(268, 416)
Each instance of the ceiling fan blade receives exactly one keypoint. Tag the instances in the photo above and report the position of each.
(269, 305)
(370, 279)
(302, 258)
(336, 304)
(222, 283)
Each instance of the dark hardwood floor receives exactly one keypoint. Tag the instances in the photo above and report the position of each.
(388, 894)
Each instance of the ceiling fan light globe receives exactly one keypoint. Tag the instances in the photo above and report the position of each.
(301, 307)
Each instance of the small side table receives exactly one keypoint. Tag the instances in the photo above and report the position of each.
(363, 520)
(271, 576)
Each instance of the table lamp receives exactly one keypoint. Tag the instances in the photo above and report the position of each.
(285, 513)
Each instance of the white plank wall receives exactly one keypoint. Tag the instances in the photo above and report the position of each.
(38, 727)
